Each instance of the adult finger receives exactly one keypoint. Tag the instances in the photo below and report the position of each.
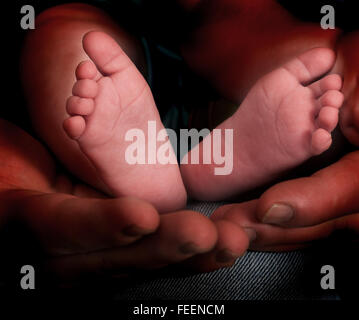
(328, 194)
(232, 243)
(276, 238)
(65, 224)
(180, 235)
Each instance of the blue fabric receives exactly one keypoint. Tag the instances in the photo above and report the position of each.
(263, 276)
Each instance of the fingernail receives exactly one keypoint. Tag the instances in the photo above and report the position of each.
(225, 256)
(133, 231)
(278, 214)
(188, 248)
(251, 233)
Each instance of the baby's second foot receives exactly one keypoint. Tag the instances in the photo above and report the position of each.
(286, 118)
(110, 98)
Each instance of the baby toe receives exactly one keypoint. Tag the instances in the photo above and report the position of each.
(333, 82)
(332, 98)
(311, 64)
(330, 82)
(74, 127)
(328, 118)
(321, 141)
(85, 88)
(86, 70)
(79, 106)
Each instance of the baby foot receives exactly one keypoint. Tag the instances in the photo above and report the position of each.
(110, 98)
(286, 118)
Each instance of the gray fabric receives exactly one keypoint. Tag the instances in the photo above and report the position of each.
(256, 276)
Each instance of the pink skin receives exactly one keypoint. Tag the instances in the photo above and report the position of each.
(50, 55)
(284, 120)
(83, 232)
(262, 44)
(327, 201)
(292, 122)
(110, 98)
(236, 42)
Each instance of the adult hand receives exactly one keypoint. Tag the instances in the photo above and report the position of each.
(294, 213)
(80, 231)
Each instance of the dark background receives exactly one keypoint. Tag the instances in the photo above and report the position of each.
(149, 21)
(158, 19)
